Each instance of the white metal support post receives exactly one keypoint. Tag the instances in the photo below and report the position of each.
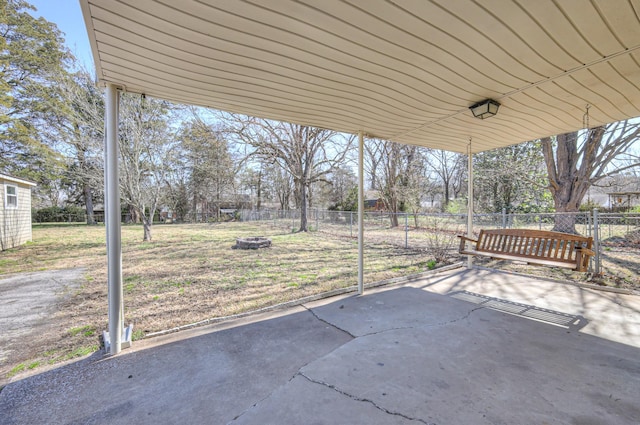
(112, 220)
(470, 201)
(360, 213)
(596, 240)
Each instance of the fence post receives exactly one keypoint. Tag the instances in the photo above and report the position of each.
(406, 230)
(504, 218)
(626, 219)
(351, 223)
(596, 240)
(317, 220)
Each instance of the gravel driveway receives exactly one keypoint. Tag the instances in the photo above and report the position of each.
(27, 299)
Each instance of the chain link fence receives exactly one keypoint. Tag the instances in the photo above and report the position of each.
(618, 225)
(429, 234)
(435, 234)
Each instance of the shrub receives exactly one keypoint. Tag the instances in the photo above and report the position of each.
(456, 206)
(59, 215)
(589, 206)
(441, 241)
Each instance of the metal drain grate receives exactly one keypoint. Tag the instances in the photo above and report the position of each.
(523, 310)
(552, 317)
(505, 306)
(471, 298)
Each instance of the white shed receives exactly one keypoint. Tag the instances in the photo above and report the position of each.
(15, 213)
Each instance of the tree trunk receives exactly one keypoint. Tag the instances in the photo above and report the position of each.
(134, 216)
(445, 201)
(393, 211)
(565, 184)
(303, 207)
(88, 202)
(259, 191)
(146, 224)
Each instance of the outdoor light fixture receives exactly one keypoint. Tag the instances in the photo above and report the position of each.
(485, 109)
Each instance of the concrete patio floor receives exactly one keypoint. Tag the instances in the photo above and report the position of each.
(459, 347)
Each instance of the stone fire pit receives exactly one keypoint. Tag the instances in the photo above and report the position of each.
(252, 243)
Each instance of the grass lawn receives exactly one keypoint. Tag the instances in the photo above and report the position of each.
(189, 273)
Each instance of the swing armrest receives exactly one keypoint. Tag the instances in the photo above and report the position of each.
(463, 242)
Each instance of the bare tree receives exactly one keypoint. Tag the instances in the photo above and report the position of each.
(307, 154)
(279, 183)
(575, 163)
(373, 151)
(145, 143)
(176, 191)
(399, 175)
(254, 180)
(450, 169)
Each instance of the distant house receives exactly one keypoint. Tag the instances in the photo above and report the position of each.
(166, 215)
(374, 205)
(15, 213)
(623, 201)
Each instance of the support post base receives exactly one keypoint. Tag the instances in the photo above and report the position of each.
(126, 338)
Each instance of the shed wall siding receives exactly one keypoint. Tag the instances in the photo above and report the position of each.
(15, 223)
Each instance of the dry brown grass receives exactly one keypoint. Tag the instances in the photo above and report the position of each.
(189, 273)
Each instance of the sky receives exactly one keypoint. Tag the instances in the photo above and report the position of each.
(66, 14)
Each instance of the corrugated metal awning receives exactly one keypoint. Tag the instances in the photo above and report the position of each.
(400, 70)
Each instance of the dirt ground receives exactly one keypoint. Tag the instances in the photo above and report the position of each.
(620, 267)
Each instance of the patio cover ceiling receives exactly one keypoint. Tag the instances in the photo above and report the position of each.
(400, 70)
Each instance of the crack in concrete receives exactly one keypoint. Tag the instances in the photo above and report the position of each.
(389, 329)
(466, 316)
(248, 408)
(270, 393)
(327, 322)
(254, 405)
(363, 400)
(338, 390)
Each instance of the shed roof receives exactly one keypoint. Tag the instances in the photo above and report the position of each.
(17, 180)
(395, 69)
(623, 193)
